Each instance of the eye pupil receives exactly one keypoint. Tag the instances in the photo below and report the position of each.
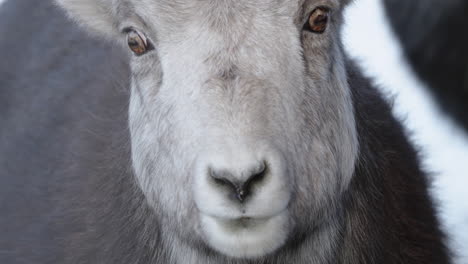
(318, 20)
(137, 43)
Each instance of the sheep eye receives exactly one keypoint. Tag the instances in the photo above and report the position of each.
(318, 20)
(138, 43)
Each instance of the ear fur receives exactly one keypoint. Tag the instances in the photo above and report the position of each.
(95, 15)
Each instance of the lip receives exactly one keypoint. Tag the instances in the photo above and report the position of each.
(240, 213)
(246, 236)
(242, 218)
(244, 222)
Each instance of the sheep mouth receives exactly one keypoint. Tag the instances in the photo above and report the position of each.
(244, 222)
(246, 236)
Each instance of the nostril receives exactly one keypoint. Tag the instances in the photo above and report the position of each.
(240, 187)
(257, 176)
(223, 181)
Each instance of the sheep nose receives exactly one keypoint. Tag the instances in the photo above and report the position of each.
(240, 185)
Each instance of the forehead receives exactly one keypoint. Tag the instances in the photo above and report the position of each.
(222, 8)
(231, 4)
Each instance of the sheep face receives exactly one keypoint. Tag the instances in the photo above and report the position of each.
(241, 119)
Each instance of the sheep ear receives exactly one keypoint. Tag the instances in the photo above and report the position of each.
(95, 15)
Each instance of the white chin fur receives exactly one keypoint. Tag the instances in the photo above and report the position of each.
(254, 239)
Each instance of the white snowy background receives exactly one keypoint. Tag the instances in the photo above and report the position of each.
(369, 39)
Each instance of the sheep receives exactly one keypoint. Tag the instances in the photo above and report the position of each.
(200, 132)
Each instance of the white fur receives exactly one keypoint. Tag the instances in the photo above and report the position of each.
(257, 238)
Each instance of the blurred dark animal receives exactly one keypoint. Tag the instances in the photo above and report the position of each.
(86, 177)
(434, 36)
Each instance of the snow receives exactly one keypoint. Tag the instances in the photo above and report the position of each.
(444, 146)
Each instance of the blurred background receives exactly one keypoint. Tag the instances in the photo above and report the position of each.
(433, 125)
(424, 81)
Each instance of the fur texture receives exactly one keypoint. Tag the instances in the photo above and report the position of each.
(90, 178)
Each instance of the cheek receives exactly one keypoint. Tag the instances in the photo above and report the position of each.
(317, 52)
(147, 74)
(162, 167)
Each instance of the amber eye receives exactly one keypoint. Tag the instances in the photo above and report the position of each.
(318, 20)
(138, 43)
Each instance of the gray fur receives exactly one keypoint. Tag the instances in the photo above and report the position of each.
(182, 111)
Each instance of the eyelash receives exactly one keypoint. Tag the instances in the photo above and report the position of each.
(317, 20)
(137, 41)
